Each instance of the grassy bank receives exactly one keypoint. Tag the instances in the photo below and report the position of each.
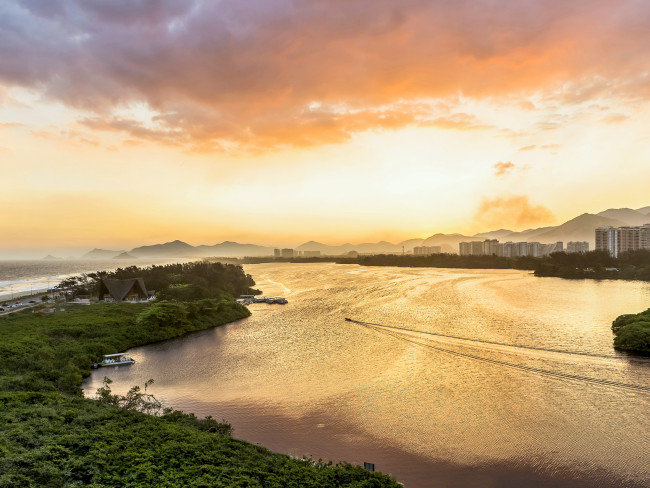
(632, 332)
(50, 435)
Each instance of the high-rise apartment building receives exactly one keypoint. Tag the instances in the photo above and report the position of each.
(521, 248)
(629, 238)
(508, 249)
(607, 240)
(622, 239)
(426, 250)
(534, 249)
(645, 236)
(477, 248)
(548, 249)
(490, 247)
(577, 246)
(473, 248)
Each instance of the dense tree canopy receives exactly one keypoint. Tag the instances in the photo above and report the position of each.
(632, 332)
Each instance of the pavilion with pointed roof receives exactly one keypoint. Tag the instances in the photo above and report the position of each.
(131, 290)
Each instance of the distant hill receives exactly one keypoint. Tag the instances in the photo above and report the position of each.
(101, 254)
(367, 247)
(174, 249)
(447, 242)
(364, 247)
(494, 234)
(644, 210)
(627, 215)
(409, 244)
(49, 257)
(233, 249)
(180, 249)
(579, 229)
(124, 255)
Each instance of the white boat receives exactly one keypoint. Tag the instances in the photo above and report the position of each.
(116, 360)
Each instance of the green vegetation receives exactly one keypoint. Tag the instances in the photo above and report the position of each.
(633, 265)
(187, 281)
(50, 435)
(632, 332)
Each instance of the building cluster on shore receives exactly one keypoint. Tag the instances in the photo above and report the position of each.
(426, 250)
(293, 253)
(616, 240)
(492, 247)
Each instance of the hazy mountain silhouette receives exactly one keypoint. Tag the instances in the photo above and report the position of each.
(494, 234)
(175, 249)
(180, 249)
(101, 254)
(49, 257)
(232, 249)
(627, 215)
(124, 255)
(580, 228)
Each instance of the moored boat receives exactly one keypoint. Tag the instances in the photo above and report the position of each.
(114, 360)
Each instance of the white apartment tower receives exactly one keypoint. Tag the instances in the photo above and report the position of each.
(607, 240)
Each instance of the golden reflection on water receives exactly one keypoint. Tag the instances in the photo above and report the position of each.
(301, 380)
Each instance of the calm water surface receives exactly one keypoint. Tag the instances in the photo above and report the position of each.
(300, 380)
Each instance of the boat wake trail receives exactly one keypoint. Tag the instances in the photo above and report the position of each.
(495, 343)
(554, 374)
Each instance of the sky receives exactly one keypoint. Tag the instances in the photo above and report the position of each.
(131, 122)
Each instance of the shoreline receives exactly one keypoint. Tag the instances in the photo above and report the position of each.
(544, 267)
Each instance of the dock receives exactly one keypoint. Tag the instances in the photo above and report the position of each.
(248, 299)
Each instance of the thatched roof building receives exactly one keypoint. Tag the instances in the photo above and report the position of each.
(123, 290)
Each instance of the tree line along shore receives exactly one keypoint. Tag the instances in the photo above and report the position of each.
(51, 435)
(633, 265)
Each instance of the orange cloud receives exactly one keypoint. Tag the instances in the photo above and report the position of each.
(246, 73)
(9, 125)
(615, 118)
(527, 148)
(503, 168)
(512, 211)
(460, 121)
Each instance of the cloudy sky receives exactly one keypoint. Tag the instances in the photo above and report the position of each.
(126, 122)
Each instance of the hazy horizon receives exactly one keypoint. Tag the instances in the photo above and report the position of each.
(71, 252)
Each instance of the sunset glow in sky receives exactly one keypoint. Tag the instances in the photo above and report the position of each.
(129, 122)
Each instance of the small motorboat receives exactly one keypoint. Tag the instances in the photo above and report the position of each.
(115, 360)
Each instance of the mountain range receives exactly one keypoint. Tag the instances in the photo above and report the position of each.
(580, 228)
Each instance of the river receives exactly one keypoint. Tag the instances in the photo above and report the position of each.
(532, 395)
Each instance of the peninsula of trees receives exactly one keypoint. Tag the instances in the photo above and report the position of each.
(50, 435)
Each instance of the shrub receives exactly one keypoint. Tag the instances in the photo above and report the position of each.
(634, 337)
(632, 332)
(163, 314)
